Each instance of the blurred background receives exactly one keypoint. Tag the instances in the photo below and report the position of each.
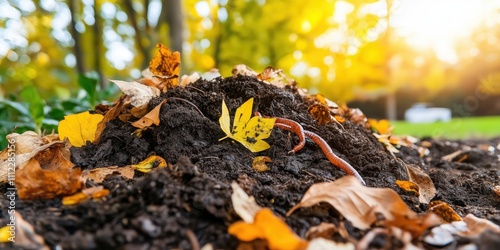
(380, 56)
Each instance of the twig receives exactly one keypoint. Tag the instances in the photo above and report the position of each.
(192, 104)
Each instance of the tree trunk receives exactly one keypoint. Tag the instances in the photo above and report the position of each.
(138, 33)
(174, 18)
(77, 49)
(97, 46)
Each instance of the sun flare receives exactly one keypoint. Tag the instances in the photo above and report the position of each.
(437, 24)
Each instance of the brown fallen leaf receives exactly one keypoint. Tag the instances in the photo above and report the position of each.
(323, 230)
(356, 202)
(153, 117)
(98, 175)
(259, 163)
(444, 211)
(267, 226)
(426, 188)
(167, 65)
(84, 195)
(36, 182)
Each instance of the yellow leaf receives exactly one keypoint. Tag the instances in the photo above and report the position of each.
(79, 128)
(86, 194)
(267, 226)
(248, 131)
(153, 117)
(408, 186)
(5, 234)
(444, 211)
(149, 163)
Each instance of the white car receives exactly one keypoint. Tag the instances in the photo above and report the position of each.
(422, 113)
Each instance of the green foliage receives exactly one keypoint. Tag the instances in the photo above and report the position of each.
(35, 104)
(90, 86)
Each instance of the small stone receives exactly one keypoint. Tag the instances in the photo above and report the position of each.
(439, 237)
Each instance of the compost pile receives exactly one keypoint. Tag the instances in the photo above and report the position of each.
(187, 203)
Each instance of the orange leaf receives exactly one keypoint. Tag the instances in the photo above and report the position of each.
(93, 192)
(267, 226)
(408, 186)
(383, 127)
(444, 211)
(166, 64)
(153, 117)
(35, 182)
(259, 163)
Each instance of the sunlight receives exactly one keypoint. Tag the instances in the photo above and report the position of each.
(438, 24)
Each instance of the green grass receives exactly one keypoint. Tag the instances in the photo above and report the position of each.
(458, 128)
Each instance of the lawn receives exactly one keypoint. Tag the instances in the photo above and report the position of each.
(458, 128)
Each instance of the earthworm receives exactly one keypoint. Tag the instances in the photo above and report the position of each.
(294, 127)
(334, 159)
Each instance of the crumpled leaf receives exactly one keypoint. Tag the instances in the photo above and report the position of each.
(25, 235)
(98, 175)
(166, 64)
(150, 163)
(250, 132)
(79, 128)
(244, 205)
(48, 175)
(444, 211)
(385, 139)
(153, 117)
(426, 188)
(140, 94)
(358, 203)
(259, 163)
(267, 226)
(84, 195)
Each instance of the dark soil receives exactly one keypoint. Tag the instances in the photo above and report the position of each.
(161, 210)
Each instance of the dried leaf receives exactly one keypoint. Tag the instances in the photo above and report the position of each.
(140, 94)
(356, 202)
(444, 211)
(267, 226)
(84, 195)
(320, 113)
(408, 186)
(323, 230)
(150, 163)
(58, 178)
(324, 244)
(259, 163)
(384, 139)
(242, 69)
(250, 132)
(244, 205)
(166, 64)
(79, 128)
(188, 79)
(476, 226)
(496, 189)
(98, 175)
(450, 157)
(153, 117)
(426, 188)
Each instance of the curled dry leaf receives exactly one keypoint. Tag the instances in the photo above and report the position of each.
(444, 211)
(426, 188)
(323, 230)
(320, 113)
(167, 65)
(98, 175)
(357, 203)
(242, 69)
(150, 163)
(79, 128)
(140, 94)
(267, 226)
(259, 163)
(47, 176)
(84, 195)
(244, 205)
(153, 117)
(324, 244)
